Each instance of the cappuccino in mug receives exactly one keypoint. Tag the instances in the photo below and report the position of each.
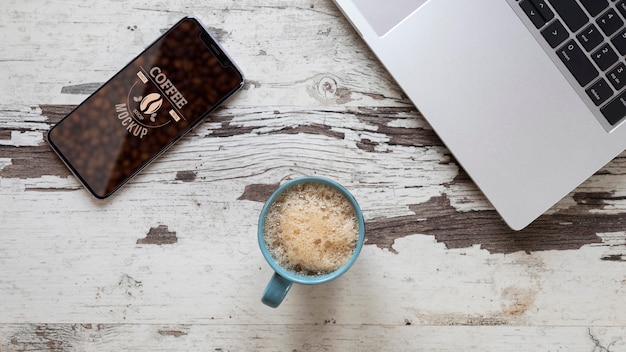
(311, 229)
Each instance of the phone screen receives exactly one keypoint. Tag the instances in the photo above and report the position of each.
(152, 102)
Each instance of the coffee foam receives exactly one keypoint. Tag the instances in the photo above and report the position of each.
(311, 228)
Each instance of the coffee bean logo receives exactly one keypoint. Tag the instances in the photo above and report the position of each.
(151, 103)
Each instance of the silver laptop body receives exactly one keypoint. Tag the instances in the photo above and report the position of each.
(505, 106)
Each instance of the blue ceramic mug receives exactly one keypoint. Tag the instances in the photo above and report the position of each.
(283, 278)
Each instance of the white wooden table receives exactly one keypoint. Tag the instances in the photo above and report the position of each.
(171, 263)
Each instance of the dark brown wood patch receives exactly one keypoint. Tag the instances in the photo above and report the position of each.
(567, 229)
(258, 192)
(186, 176)
(159, 235)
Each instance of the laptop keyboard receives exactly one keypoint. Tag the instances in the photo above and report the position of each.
(589, 38)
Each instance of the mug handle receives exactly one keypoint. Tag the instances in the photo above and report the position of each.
(276, 291)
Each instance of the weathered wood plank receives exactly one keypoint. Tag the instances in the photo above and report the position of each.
(326, 336)
(567, 228)
(291, 53)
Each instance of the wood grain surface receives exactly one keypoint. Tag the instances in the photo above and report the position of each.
(171, 261)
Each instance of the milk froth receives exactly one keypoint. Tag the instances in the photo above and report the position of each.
(311, 228)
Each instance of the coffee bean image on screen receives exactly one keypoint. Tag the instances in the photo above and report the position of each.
(151, 103)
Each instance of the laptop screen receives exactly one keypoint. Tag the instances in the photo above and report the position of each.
(384, 15)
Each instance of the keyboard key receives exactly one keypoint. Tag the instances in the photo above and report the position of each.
(555, 33)
(532, 13)
(604, 57)
(571, 13)
(617, 76)
(610, 22)
(595, 6)
(599, 92)
(621, 6)
(615, 110)
(590, 37)
(577, 63)
(620, 42)
(543, 9)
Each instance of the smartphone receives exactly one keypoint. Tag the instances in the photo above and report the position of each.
(145, 108)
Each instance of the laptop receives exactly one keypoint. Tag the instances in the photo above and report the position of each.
(527, 95)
